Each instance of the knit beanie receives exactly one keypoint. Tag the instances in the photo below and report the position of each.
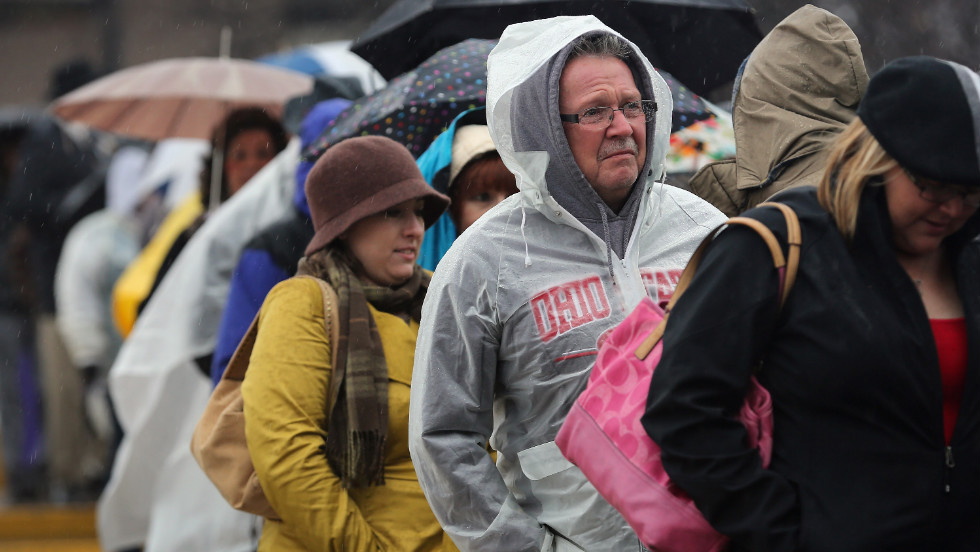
(362, 176)
(925, 113)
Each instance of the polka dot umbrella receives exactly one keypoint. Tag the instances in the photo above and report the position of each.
(418, 105)
(415, 107)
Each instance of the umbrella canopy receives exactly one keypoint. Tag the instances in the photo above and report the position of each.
(417, 106)
(332, 58)
(701, 42)
(16, 118)
(179, 97)
(689, 108)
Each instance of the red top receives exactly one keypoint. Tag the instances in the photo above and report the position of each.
(950, 336)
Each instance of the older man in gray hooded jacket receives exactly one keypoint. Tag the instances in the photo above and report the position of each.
(517, 308)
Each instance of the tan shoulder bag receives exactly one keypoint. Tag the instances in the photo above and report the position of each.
(218, 443)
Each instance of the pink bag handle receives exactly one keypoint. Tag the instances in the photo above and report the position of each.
(786, 269)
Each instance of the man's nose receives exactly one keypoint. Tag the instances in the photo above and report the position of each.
(620, 125)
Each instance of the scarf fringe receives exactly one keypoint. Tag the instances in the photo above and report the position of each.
(361, 462)
(357, 415)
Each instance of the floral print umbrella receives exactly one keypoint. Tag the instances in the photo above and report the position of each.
(709, 139)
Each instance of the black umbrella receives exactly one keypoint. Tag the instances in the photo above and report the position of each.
(701, 42)
(417, 106)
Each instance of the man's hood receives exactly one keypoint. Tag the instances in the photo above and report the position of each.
(799, 89)
(524, 70)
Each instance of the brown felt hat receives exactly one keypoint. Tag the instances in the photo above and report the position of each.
(360, 177)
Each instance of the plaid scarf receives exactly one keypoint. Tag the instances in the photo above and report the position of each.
(357, 426)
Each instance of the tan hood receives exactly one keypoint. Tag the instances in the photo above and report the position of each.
(798, 90)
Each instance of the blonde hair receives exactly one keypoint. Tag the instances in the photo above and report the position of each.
(855, 158)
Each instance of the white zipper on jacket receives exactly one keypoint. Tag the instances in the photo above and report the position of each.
(950, 464)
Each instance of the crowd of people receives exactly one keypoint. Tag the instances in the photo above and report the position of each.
(418, 329)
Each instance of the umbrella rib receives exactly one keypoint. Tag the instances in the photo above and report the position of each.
(122, 115)
(175, 120)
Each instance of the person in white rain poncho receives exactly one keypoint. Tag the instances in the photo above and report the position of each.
(518, 306)
(157, 498)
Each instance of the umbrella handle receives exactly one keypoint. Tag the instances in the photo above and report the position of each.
(217, 165)
(224, 48)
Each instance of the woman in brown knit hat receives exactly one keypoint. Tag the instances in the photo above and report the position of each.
(329, 439)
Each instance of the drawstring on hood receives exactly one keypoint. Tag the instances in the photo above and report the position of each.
(527, 254)
(606, 238)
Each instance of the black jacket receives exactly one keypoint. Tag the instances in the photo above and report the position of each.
(859, 460)
(57, 181)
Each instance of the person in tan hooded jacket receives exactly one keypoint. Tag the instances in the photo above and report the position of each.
(795, 93)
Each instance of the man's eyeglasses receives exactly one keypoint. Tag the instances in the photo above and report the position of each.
(601, 117)
(936, 192)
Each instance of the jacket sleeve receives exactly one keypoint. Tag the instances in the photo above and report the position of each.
(254, 276)
(451, 415)
(81, 308)
(285, 394)
(717, 333)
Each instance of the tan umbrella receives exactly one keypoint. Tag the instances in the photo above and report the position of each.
(179, 97)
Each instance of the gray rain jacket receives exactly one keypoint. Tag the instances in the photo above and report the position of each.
(517, 307)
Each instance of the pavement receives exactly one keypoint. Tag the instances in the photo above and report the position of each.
(48, 528)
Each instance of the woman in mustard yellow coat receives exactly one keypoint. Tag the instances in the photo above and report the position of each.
(329, 440)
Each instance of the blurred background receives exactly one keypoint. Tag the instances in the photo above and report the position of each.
(49, 41)
(50, 47)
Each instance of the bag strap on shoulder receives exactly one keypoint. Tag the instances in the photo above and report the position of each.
(786, 268)
(330, 316)
(238, 364)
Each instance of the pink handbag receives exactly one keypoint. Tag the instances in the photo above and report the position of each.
(602, 434)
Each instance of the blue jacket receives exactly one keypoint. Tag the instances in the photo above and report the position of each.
(434, 164)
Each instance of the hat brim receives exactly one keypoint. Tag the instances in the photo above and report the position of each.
(435, 205)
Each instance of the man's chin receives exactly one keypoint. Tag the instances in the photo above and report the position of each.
(618, 180)
(614, 191)
(618, 167)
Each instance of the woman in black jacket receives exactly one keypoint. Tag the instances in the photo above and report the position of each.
(873, 363)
